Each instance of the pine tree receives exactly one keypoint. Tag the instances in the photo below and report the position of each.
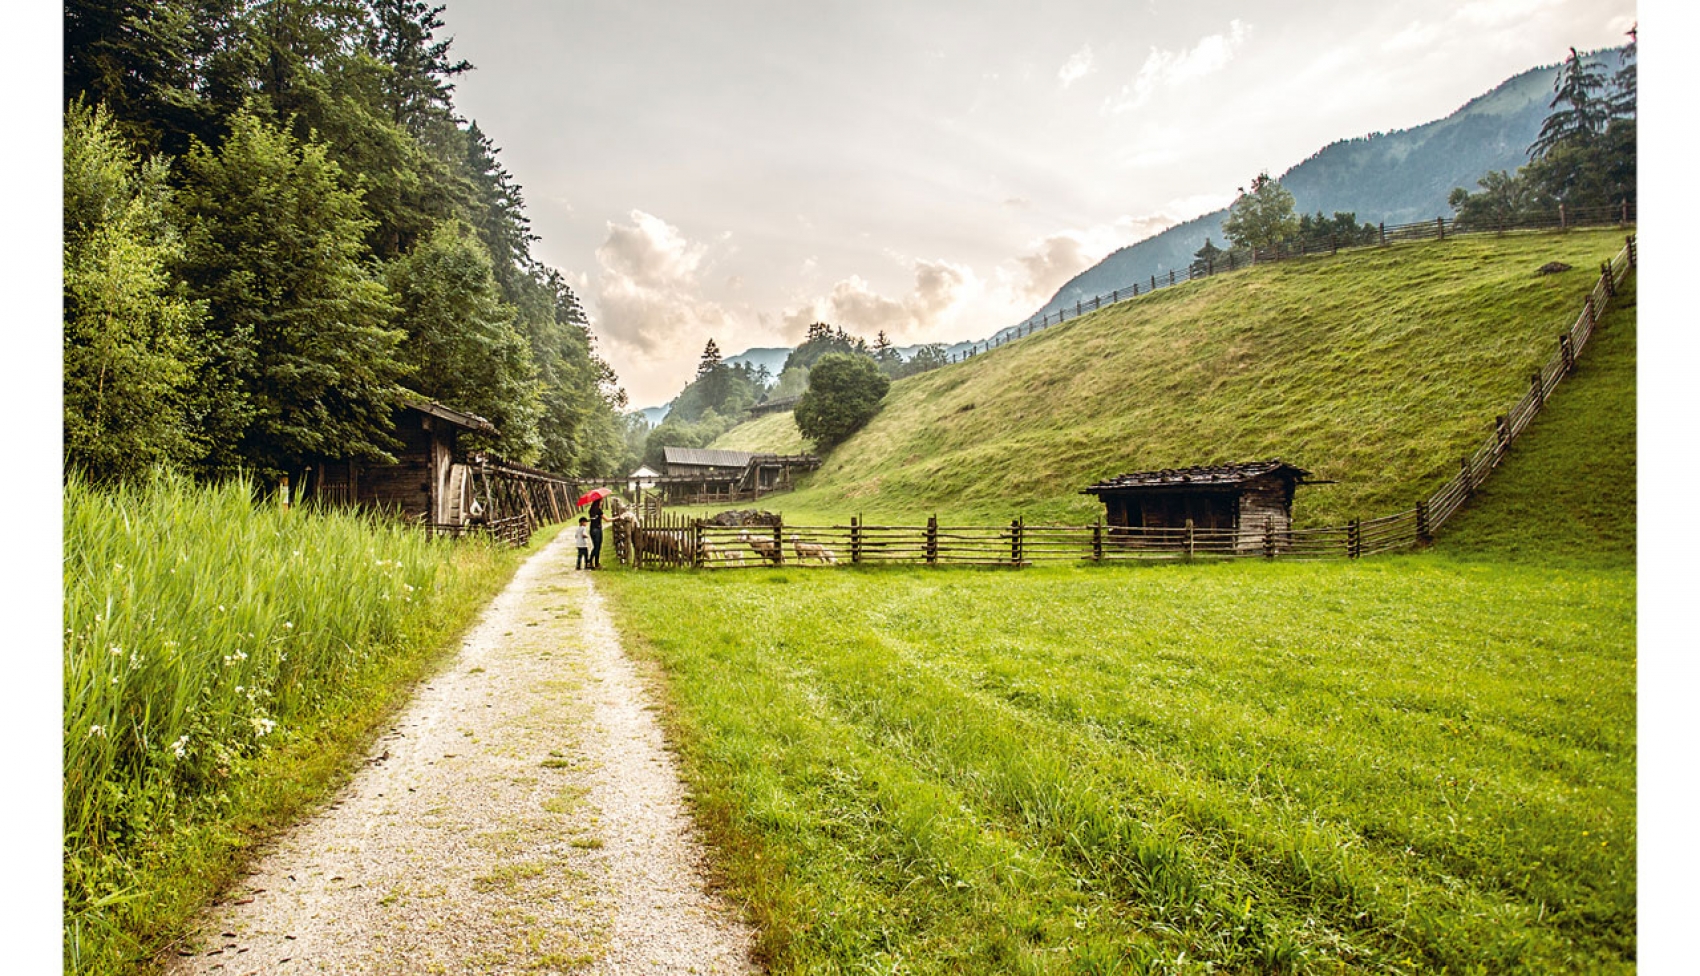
(461, 343)
(301, 361)
(1580, 114)
(710, 360)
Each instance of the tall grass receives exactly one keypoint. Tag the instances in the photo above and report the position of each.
(212, 647)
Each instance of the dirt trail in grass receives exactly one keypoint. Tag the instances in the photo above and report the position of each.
(521, 816)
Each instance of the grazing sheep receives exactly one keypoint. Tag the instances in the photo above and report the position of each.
(765, 548)
(812, 550)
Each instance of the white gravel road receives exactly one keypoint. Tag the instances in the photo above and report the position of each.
(521, 816)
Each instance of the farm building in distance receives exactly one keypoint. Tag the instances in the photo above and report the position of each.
(1256, 497)
(697, 474)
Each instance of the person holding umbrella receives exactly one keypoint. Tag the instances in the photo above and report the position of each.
(594, 497)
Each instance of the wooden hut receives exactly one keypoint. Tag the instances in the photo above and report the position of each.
(423, 484)
(697, 474)
(1251, 498)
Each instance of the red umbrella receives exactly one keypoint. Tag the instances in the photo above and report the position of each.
(592, 495)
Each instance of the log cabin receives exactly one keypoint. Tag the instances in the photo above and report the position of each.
(1248, 498)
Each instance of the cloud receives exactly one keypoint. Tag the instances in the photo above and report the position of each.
(1078, 66)
(853, 305)
(648, 289)
(1057, 259)
(1168, 69)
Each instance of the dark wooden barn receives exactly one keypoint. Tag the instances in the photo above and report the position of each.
(422, 485)
(1251, 498)
(435, 483)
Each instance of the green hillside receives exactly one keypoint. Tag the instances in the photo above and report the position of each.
(1566, 491)
(1376, 370)
(776, 432)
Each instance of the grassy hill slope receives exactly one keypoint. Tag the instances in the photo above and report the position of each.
(775, 432)
(1376, 369)
(1566, 491)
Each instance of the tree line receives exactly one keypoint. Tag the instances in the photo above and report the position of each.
(277, 227)
(843, 399)
(1583, 158)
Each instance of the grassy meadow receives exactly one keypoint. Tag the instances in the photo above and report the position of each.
(224, 666)
(1376, 369)
(1417, 763)
(1407, 764)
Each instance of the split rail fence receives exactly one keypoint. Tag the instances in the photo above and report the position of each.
(675, 541)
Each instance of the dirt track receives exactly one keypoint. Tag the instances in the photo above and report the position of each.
(522, 815)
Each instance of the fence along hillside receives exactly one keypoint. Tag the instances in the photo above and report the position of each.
(684, 542)
(1382, 235)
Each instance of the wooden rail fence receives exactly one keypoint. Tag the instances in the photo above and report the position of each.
(676, 541)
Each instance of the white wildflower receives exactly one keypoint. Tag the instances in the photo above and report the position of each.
(262, 725)
(97, 730)
(288, 625)
(116, 650)
(181, 746)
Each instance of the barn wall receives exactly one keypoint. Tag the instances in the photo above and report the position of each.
(406, 486)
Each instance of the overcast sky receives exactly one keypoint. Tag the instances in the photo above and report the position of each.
(738, 170)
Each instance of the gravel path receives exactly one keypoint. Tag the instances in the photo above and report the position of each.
(522, 816)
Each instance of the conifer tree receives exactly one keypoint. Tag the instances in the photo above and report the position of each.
(302, 361)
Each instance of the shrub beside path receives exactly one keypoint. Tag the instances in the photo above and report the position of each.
(521, 816)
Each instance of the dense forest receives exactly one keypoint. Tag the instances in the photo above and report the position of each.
(277, 227)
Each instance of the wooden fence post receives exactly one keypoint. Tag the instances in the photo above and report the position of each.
(1567, 349)
(1440, 222)
(779, 541)
(1561, 220)
(1268, 538)
(1384, 233)
(697, 559)
(1136, 289)
(1153, 282)
(1189, 540)
(1501, 431)
(1015, 543)
(1535, 388)
(856, 539)
(1354, 539)
(1423, 537)
(1629, 248)
(1171, 276)
(1605, 280)
(1624, 219)
(932, 539)
(1098, 540)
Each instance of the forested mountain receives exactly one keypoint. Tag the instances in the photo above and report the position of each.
(1395, 177)
(277, 226)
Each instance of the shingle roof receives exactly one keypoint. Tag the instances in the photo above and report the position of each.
(1221, 474)
(706, 457)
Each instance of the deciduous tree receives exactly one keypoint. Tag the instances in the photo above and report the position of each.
(1261, 217)
(844, 394)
